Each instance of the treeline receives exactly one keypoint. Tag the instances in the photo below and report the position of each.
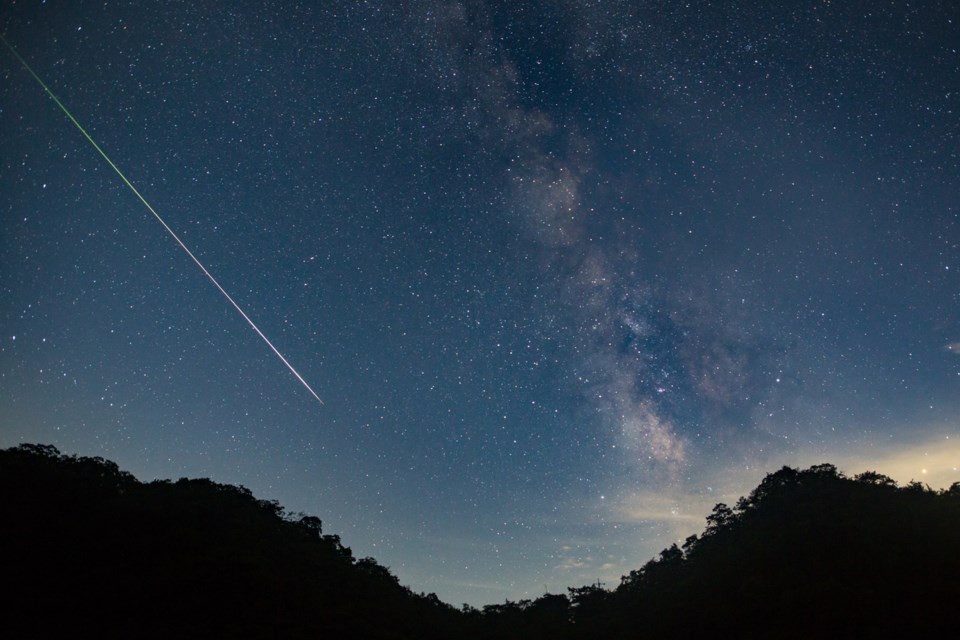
(88, 548)
(807, 554)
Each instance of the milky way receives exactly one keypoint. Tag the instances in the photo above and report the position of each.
(567, 274)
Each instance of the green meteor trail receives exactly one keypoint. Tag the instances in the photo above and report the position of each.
(157, 216)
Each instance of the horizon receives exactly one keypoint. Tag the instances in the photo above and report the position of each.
(292, 516)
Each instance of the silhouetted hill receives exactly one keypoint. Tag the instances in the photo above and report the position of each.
(89, 549)
(807, 554)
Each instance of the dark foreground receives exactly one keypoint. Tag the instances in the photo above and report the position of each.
(89, 550)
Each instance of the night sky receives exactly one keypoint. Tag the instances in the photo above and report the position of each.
(565, 274)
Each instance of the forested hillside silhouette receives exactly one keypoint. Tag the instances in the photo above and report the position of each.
(90, 550)
(87, 547)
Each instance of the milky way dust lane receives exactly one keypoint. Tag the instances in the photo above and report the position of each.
(159, 219)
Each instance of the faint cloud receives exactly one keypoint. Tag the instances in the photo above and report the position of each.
(935, 461)
(654, 506)
(571, 563)
(954, 348)
(589, 569)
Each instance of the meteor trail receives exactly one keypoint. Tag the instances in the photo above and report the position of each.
(159, 219)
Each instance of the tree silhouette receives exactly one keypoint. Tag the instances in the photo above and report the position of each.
(89, 549)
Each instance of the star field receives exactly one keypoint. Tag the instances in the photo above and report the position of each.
(564, 274)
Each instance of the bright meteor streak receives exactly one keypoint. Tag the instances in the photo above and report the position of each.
(159, 219)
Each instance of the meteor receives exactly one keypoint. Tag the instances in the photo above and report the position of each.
(159, 219)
